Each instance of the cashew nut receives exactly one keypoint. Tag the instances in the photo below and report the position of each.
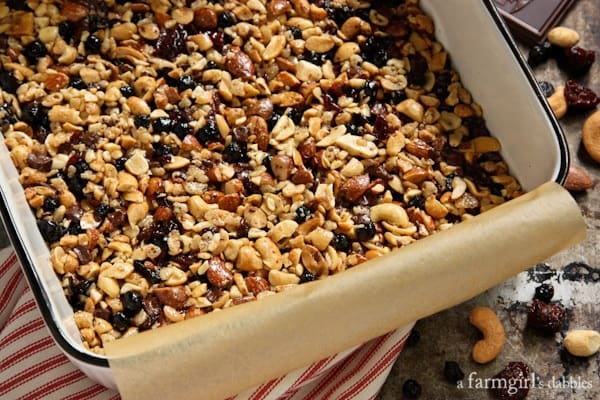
(558, 102)
(488, 348)
(563, 37)
(582, 343)
(390, 212)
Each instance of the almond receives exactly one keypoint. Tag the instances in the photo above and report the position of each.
(256, 284)
(218, 274)
(578, 180)
(239, 64)
(353, 188)
(74, 11)
(174, 296)
(205, 19)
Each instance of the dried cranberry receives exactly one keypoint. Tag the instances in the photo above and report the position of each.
(512, 383)
(576, 61)
(544, 292)
(545, 317)
(579, 97)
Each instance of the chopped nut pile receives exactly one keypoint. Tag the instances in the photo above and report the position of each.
(183, 157)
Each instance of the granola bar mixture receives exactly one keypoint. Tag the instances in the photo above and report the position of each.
(183, 156)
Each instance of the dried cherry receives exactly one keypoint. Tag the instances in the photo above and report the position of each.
(579, 97)
(575, 60)
(512, 383)
(545, 317)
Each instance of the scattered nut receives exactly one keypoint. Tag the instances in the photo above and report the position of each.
(558, 102)
(563, 37)
(488, 348)
(577, 179)
(582, 343)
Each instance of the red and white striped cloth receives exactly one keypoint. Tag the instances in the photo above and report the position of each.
(33, 367)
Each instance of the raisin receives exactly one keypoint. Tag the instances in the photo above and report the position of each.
(546, 87)
(102, 211)
(152, 275)
(33, 113)
(411, 389)
(576, 61)
(341, 243)
(540, 53)
(579, 97)
(209, 132)
(544, 292)
(512, 383)
(50, 230)
(417, 201)
(34, 51)
(302, 214)
(545, 317)
(452, 372)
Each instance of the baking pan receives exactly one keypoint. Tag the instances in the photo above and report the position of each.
(490, 66)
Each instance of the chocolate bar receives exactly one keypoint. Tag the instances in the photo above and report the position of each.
(530, 20)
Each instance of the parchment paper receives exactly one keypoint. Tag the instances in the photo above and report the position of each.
(223, 353)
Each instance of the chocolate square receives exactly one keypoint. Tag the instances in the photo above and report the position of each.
(530, 20)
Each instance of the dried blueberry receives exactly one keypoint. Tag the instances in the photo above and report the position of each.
(8, 82)
(411, 389)
(302, 214)
(546, 87)
(364, 231)
(417, 201)
(235, 152)
(576, 61)
(50, 230)
(341, 242)
(34, 51)
(312, 57)
(413, 339)
(370, 89)
(452, 372)
(306, 276)
(272, 121)
(18, 5)
(544, 292)
(77, 83)
(120, 163)
(539, 53)
(127, 91)
(226, 19)
(50, 204)
(92, 44)
(579, 97)
(209, 132)
(211, 65)
(142, 121)
(341, 14)
(120, 322)
(152, 275)
(296, 32)
(545, 317)
(186, 82)
(295, 114)
(375, 50)
(132, 302)
(162, 124)
(102, 211)
(512, 382)
(67, 30)
(33, 113)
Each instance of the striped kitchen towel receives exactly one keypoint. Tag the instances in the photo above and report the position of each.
(33, 367)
